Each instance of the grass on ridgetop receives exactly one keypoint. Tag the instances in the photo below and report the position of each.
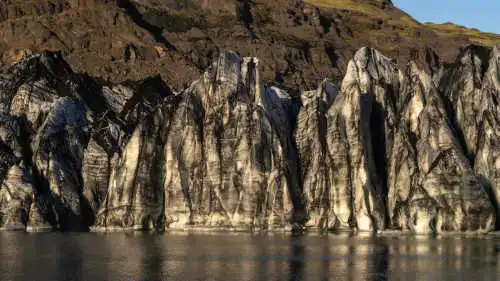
(374, 11)
(475, 35)
(371, 10)
(342, 5)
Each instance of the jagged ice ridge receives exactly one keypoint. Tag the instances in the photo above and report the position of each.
(391, 149)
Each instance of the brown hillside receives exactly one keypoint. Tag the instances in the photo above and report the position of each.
(298, 42)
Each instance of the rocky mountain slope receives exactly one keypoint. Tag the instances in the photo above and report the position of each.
(390, 149)
(299, 42)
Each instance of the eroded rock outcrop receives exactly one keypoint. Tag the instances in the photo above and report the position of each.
(390, 149)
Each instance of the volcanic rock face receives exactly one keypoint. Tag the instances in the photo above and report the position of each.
(390, 149)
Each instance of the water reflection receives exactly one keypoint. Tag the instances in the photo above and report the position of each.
(152, 258)
(118, 256)
(68, 260)
(297, 257)
(380, 259)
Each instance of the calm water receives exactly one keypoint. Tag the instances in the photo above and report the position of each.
(120, 256)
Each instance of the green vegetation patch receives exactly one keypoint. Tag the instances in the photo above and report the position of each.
(475, 35)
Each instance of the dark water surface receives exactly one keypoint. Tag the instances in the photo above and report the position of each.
(121, 256)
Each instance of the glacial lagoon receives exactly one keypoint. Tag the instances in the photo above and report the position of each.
(245, 256)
